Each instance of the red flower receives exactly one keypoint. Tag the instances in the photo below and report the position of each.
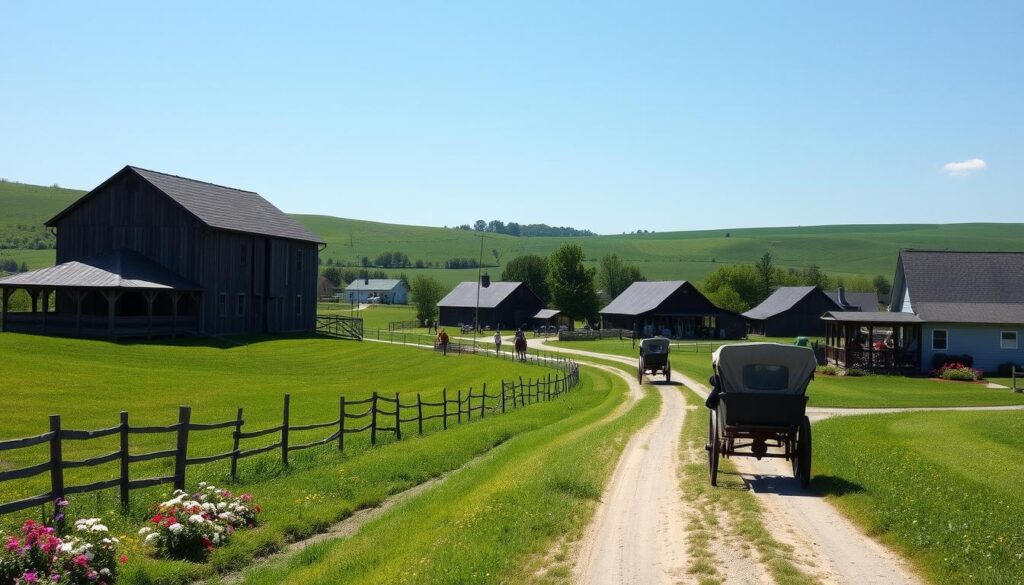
(123, 559)
(81, 561)
(157, 518)
(207, 543)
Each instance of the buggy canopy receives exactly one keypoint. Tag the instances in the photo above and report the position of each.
(653, 345)
(770, 368)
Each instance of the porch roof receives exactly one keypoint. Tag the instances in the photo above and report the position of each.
(872, 317)
(120, 269)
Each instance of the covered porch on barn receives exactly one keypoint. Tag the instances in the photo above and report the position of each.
(114, 296)
(874, 341)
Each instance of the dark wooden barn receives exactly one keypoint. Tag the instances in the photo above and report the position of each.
(147, 253)
(791, 311)
(672, 308)
(503, 305)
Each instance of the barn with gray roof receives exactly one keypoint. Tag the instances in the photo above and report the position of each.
(503, 305)
(791, 311)
(147, 253)
(673, 308)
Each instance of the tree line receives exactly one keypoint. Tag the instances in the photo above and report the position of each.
(528, 230)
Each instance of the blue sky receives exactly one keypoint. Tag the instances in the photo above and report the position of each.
(609, 116)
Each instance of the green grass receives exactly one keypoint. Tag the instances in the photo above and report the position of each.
(873, 391)
(942, 487)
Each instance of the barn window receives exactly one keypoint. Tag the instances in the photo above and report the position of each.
(940, 340)
(298, 305)
(240, 305)
(222, 305)
(1008, 340)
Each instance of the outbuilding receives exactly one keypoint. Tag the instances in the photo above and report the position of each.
(147, 253)
(502, 305)
(673, 308)
(386, 291)
(791, 311)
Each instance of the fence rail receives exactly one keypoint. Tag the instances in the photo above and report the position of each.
(461, 346)
(595, 334)
(397, 325)
(376, 414)
(339, 326)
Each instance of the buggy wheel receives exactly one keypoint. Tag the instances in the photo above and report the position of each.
(668, 371)
(640, 371)
(713, 447)
(803, 449)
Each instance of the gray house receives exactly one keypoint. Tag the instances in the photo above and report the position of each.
(387, 291)
(943, 302)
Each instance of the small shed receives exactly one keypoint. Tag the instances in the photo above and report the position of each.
(502, 305)
(386, 291)
(551, 318)
(791, 311)
(675, 308)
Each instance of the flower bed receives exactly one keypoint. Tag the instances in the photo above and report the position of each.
(189, 526)
(959, 372)
(86, 556)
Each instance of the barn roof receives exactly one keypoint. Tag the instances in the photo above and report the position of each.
(119, 269)
(217, 206)
(373, 284)
(965, 287)
(855, 301)
(783, 299)
(547, 313)
(873, 317)
(642, 297)
(464, 294)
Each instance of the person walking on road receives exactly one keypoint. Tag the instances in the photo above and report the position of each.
(497, 344)
(442, 340)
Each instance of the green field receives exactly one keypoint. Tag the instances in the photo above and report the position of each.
(942, 487)
(846, 392)
(843, 250)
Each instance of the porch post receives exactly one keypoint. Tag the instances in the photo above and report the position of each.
(175, 296)
(150, 297)
(46, 307)
(111, 296)
(4, 298)
(79, 296)
(871, 346)
(200, 323)
(35, 297)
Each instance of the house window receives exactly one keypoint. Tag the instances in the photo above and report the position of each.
(222, 305)
(940, 340)
(1008, 340)
(240, 305)
(298, 305)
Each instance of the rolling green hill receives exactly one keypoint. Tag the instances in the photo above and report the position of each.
(843, 250)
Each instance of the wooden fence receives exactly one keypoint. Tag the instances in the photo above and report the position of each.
(461, 346)
(376, 415)
(397, 325)
(338, 326)
(586, 334)
(1016, 375)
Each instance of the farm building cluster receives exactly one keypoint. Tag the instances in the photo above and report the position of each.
(151, 254)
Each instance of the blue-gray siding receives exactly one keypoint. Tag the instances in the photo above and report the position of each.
(982, 342)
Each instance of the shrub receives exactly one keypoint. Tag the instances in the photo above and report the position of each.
(1005, 370)
(829, 370)
(940, 360)
(87, 556)
(855, 372)
(189, 526)
(958, 371)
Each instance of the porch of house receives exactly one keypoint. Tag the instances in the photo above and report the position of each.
(873, 341)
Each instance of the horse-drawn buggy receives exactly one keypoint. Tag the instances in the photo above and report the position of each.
(758, 401)
(654, 358)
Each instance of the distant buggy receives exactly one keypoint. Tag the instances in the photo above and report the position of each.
(758, 400)
(654, 358)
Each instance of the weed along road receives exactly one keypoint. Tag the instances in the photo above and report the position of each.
(639, 534)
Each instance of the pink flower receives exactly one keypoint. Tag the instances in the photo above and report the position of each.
(12, 544)
(30, 577)
(81, 561)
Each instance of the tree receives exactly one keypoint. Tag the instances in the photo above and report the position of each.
(766, 277)
(426, 291)
(480, 225)
(23, 267)
(333, 274)
(324, 288)
(725, 297)
(532, 270)
(572, 284)
(882, 286)
(813, 276)
(404, 280)
(741, 278)
(615, 276)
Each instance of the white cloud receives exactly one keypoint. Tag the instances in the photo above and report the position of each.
(963, 168)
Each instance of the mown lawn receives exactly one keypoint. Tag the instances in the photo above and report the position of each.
(873, 391)
(88, 382)
(943, 487)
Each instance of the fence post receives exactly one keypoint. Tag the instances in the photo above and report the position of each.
(237, 443)
(419, 412)
(444, 408)
(460, 407)
(284, 429)
(341, 424)
(469, 405)
(181, 452)
(522, 397)
(56, 461)
(483, 400)
(373, 420)
(503, 397)
(124, 459)
(398, 418)
(547, 387)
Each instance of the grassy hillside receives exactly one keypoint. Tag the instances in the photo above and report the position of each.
(840, 249)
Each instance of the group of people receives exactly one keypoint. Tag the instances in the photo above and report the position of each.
(443, 340)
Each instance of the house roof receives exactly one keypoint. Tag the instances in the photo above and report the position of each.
(374, 284)
(965, 287)
(872, 317)
(642, 297)
(862, 301)
(783, 299)
(119, 269)
(547, 313)
(219, 207)
(464, 294)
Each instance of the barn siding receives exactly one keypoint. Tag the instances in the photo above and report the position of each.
(803, 318)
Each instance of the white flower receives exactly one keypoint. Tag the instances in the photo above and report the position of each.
(66, 547)
(196, 519)
(221, 506)
(99, 528)
(153, 537)
(105, 571)
(176, 528)
(202, 484)
(145, 530)
(106, 541)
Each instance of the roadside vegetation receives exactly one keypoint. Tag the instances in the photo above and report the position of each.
(942, 487)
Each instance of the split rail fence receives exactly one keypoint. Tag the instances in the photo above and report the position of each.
(375, 415)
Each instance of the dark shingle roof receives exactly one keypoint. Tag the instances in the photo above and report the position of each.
(855, 301)
(780, 301)
(219, 207)
(120, 269)
(464, 294)
(642, 297)
(965, 287)
(873, 317)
